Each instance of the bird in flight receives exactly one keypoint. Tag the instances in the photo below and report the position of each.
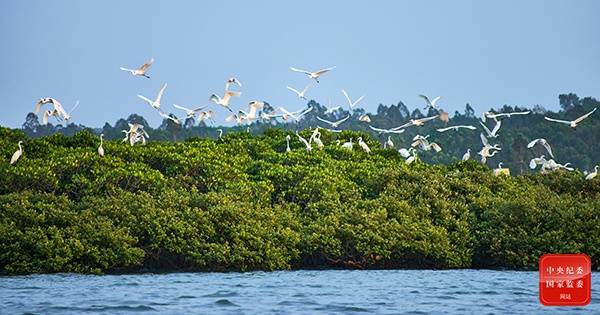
(156, 103)
(334, 124)
(302, 94)
(141, 71)
(350, 102)
(573, 123)
(313, 75)
(431, 103)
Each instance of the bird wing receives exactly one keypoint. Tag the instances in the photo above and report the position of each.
(347, 98)
(584, 116)
(325, 121)
(358, 100)
(468, 127)
(126, 69)
(408, 124)
(429, 118)
(532, 143)
(333, 130)
(557, 120)
(294, 90)
(300, 70)
(342, 120)
(45, 117)
(306, 88)
(145, 99)
(324, 70)
(436, 147)
(425, 98)
(38, 105)
(485, 128)
(497, 127)
(435, 100)
(160, 93)
(182, 108)
(229, 94)
(308, 110)
(378, 129)
(548, 148)
(484, 140)
(147, 65)
(444, 129)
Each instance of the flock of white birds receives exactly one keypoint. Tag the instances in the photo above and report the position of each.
(137, 134)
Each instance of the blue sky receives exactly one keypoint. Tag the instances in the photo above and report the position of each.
(486, 53)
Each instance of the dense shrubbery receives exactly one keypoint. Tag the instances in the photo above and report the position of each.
(242, 203)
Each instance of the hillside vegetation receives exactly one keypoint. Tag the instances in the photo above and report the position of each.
(243, 203)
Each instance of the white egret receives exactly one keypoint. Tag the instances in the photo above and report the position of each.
(155, 103)
(350, 102)
(467, 155)
(416, 122)
(306, 143)
(15, 157)
(456, 128)
(170, 117)
(382, 131)
(334, 124)
(348, 145)
(58, 110)
(494, 132)
(572, 123)
(220, 134)
(429, 103)
(302, 94)
(388, 143)
(500, 115)
(313, 75)
(141, 71)
(225, 100)
(501, 170)
(542, 142)
(295, 115)
(363, 145)
(592, 174)
(189, 113)
(101, 148)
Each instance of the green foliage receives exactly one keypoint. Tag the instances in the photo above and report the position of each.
(243, 203)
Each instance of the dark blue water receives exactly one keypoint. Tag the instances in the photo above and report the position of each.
(285, 292)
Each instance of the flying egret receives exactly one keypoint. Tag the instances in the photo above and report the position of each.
(17, 154)
(189, 113)
(429, 103)
(542, 142)
(306, 143)
(225, 100)
(572, 123)
(58, 110)
(206, 115)
(363, 145)
(170, 117)
(295, 115)
(156, 103)
(253, 108)
(494, 132)
(334, 124)
(500, 115)
(382, 131)
(141, 71)
(533, 163)
(301, 95)
(456, 128)
(350, 102)
(231, 81)
(313, 75)
(416, 122)
(592, 174)
(100, 148)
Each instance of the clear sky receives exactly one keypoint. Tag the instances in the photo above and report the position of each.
(487, 53)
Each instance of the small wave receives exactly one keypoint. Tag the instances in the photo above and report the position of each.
(186, 297)
(221, 294)
(343, 308)
(225, 302)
